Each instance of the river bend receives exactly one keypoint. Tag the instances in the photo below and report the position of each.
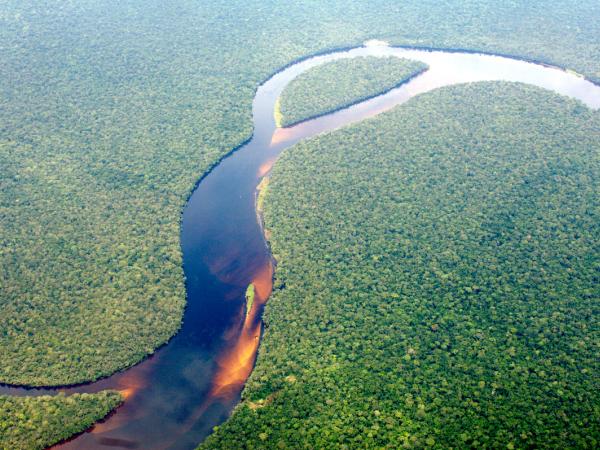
(176, 397)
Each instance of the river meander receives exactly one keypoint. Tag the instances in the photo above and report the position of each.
(174, 398)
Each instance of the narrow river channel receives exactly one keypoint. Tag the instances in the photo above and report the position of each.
(175, 398)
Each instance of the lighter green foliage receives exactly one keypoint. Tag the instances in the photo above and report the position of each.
(31, 423)
(250, 293)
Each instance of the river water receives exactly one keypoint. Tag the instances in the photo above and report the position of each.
(174, 398)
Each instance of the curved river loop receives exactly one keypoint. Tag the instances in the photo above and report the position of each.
(174, 398)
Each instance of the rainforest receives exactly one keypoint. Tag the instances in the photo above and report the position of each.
(434, 269)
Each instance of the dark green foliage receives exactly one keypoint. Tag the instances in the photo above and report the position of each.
(342, 83)
(437, 281)
(109, 113)
(31, 423)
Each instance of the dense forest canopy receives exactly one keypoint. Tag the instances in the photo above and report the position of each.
(111, 111)
(31, 423)
(341, 83)
(437, 280)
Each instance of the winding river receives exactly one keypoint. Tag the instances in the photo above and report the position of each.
(174, 398)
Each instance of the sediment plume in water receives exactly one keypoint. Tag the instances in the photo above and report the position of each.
(236, 362)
